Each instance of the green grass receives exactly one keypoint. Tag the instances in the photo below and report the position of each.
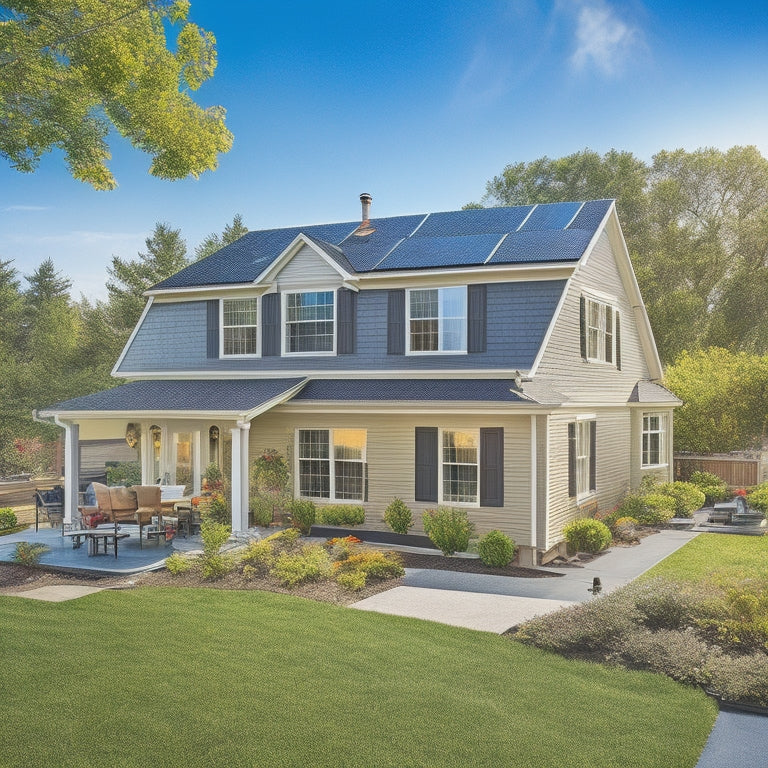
(715, 557)
(196, 677)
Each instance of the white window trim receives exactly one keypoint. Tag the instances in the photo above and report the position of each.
(605, 302)
(283, 312)
(331, 499)
(662, 431)
(440, 498)
(416, 353)
(257, 353)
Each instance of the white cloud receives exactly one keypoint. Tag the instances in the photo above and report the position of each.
(603, 40)
(26, 208)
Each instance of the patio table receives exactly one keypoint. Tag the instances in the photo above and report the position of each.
(95, 537)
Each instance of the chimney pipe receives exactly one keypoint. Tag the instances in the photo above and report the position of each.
(366, 200)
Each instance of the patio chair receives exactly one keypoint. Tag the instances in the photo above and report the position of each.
(51, 503)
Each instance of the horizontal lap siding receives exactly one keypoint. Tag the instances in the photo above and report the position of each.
(173, 335)
(562, 365)
(391, 461)
(613, 468)
(305, 270)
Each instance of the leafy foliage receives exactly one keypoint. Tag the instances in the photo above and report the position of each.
(757, 498)
(75, 71)
(587, 535)
(713, 488)
(449, 529)
(28, 554)
(311, 563)
(341, 514)
(398, 516)
(7, 518)
(177, 564)
(688, 497)
(496, 549)
(303, 513)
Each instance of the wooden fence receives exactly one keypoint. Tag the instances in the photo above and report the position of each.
(737, 471)
(20, 495)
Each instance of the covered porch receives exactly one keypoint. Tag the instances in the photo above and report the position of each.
(178, 428)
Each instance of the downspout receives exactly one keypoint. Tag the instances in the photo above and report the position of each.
(71, 467)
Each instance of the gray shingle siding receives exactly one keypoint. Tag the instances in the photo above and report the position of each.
(173, 337)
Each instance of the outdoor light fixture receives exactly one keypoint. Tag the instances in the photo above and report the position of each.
(156, 434)
(596, 587)
(132, 434)
(213, 434)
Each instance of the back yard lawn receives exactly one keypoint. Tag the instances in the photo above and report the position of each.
(201, 677)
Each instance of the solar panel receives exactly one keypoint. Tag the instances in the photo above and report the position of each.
(591, 214)
(423, 252)
(527, 247)
(476, 221)
(365, 252)
(550, 216)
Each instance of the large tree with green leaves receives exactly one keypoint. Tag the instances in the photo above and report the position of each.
(72, 71)
(696, 225)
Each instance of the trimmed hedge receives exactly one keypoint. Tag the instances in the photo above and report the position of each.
(587, 535)
(341, 514)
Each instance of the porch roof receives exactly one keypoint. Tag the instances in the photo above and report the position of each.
(232, 398)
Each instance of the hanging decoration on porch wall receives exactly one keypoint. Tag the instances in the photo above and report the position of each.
(132, 435)
(156, 433)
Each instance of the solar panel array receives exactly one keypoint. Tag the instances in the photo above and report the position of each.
(552, 232)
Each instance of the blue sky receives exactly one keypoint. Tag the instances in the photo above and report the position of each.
(417, 103)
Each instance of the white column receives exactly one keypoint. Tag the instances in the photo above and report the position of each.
(237, 498)
(245, 431)
(71, 469)
(534, 484)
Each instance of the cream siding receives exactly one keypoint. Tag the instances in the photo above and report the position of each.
(662, 474)
(561, 363)
(390, 455)
(306, 270)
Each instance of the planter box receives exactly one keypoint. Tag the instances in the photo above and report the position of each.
(375, 537)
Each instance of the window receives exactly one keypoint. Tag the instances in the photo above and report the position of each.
(460, 467)
(437, 320)
(239, 326)
(582, 441)
(654, 428)
(310, 322)
(600, 332)
(332, 464)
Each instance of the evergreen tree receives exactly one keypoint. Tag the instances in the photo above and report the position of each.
(215, 242)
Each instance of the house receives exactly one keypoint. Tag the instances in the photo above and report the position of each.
(498, 359)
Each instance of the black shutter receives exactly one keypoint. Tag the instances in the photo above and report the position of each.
(396, 322)
(270, 321)
(572, 459)
(346, 305)
(426, 464)
(592, 455)
(492, 467)
(212, 329)
(476, 318)
(583, 327)
(609, 334)
(617, 333)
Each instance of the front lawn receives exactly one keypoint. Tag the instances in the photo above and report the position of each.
(199, 677)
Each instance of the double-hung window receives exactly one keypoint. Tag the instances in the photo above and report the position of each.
(654, 429)
(332, 464)
(437, 320)
(600, 331)
(460, 466)
(310, 322)
(581, 457)
(239, 327)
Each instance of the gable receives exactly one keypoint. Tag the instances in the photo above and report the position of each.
(307, 269)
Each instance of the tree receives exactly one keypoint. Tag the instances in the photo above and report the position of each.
(214, 242)
(70, 72)
(725, 398)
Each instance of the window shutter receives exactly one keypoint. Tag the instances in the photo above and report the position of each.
(609, 334)
(617, 332)
(346, 303)
(572, 458)
(270, 323)
(212, 328)
(476, 318)
(592, 455)
(396, 322)
(426, 464)
(583, 326)
(492, 467)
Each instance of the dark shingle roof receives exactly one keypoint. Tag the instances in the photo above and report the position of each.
(235, 395)
(552, 232)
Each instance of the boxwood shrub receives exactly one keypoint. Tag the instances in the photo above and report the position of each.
(496, 549)
(448, 528)
(711, 485)
(341, 514)
(688, 497)
(587, 535)
(398, 516)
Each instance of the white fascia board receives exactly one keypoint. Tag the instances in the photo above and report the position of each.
(127, 346)
(426, 407)
(277, 400)
(291, 250)
(77, 416)
(485, 373)
(193, 292)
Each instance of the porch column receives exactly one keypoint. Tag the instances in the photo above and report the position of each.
(240, 480)
(71, 469)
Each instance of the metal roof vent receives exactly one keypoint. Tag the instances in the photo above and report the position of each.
(365, 227)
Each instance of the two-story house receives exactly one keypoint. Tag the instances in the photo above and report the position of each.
(497, 359)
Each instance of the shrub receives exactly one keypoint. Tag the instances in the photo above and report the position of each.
(353, 580)
(758, 498)
(216, 508)
(262, 509)
(124, 473)
(625, 529)
(259, 555)
(28, 554)
(740, 678)
(7, 518)
(448, 528)
(286, 537)
(310, 564)
(214, 535)
(373, 563)
(216, 566)
(398, 516)
(496, 549)
(688, 497)
(587, 535)
(341, 514)
(303, 513)
(711, 485)
(177, 564)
